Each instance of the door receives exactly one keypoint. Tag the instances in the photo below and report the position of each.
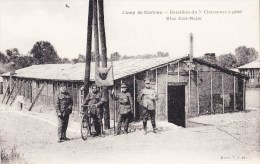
(176, 105)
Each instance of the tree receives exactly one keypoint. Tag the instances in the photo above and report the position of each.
(44, 53)
(3, 58)
(245, 55)
(65, 60)
(162, 54)
(227, 60)
(18, 60)
(74, 60)
(115, 56)
(23, 61)
(82, 58)
(12, 53)
(210, 57)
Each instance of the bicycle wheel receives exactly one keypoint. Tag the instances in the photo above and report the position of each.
(85, 131)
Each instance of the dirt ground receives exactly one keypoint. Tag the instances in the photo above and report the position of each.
(253, 98)
(223, 138)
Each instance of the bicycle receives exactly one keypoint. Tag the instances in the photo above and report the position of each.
(87, 123)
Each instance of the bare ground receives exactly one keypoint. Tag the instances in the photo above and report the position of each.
(223, 138)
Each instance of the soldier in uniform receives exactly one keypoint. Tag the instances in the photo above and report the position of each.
(95, 99)
(147, 98)
(64, 104)
(125, 107)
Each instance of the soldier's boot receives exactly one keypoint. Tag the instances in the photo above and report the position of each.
(126, 127)
(60, 139)
(145, 127)
(154, 128)
(101, 130)
(118, 131)
(65, 137)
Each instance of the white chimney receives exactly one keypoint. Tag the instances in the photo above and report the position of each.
(191, 46)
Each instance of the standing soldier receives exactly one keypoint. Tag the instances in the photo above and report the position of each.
(147, 98)
(95, 99)
(64, 104)
(125, 108)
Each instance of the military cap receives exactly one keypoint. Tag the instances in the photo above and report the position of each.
(123, 85)
(94, 86)
(147, 81)
(62, 85)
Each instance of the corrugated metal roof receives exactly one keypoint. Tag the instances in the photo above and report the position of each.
(76, 72)
(254, 64)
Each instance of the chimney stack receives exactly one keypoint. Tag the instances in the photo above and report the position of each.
(191, 47)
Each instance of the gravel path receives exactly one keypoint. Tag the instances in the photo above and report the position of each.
(229, 138)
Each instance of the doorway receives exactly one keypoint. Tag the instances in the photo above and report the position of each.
(176, 104)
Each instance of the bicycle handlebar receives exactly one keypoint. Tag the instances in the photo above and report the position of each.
(86, 105)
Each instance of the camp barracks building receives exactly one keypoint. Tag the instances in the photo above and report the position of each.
(186, 88)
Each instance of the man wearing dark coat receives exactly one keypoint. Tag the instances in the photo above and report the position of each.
(147, 98)
(125, 108)
(96, 100)
(63, 107)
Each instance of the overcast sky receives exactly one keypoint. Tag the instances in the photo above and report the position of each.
(23, 22)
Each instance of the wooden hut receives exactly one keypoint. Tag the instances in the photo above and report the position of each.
(186, 88)
(253, 71)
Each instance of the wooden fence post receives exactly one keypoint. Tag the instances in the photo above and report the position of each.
(10, 93)
(19, 89)
(7, 89)
(37, 96)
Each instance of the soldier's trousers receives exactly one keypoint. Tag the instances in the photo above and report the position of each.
(123, 118)
(147, 113)
(97, 120)
(96, 114)
(62, 126)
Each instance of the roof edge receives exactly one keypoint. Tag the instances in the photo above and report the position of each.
(226, 70)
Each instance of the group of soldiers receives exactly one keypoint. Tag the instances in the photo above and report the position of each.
(146, 98)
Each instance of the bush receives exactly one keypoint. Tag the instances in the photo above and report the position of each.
(10, 155)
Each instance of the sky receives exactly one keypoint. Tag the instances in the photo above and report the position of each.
(24, 22)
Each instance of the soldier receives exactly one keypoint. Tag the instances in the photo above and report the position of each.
(147, 98)
(64, 104)
(125, 107)
(95, 99)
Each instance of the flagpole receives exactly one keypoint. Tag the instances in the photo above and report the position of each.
(114, 103)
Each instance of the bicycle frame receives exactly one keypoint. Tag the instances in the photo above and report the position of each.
(90, 120)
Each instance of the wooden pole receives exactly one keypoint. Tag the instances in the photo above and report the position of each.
(30, 84)
(37, 96)
(134, 98)
(88, 52)
(244, 95)
(234, 93)
(102, 33)
(166, 106)
(9, 96)
(104, 60)
(156, 83)
(53, 90)
(19, 89)
(223, 93)
(198, 94)
(178, 71)
(47, 98)
(189, 92)
(96, 36)
(7, 90)
(115, 111)
(114, 101)
(77, 98)
(10, 80)
(211, 92)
